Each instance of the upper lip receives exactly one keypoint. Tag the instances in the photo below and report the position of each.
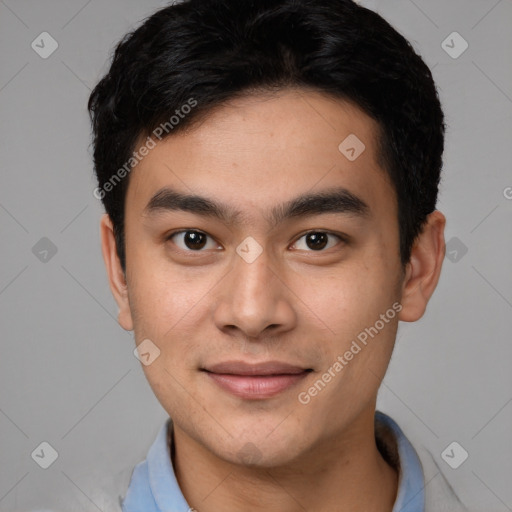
(265, 368)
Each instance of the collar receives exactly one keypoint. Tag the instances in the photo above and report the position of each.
(400, 453)
(154, 488)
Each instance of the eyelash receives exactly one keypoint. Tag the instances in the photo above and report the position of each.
(341, 238)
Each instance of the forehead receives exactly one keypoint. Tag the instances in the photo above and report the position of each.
(260, 150)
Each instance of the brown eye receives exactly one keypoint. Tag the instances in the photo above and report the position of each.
(192, 240)
(317, 241)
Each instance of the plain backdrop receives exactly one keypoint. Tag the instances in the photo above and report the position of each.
(68, 374)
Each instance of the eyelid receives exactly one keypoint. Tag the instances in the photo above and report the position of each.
(169, 236)
(343, 238)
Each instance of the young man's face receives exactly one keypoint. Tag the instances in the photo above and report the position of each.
(210, 299)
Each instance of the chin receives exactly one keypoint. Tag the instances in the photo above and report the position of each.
(258, 449)
(253, 455)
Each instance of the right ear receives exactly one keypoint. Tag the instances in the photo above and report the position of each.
(116, 276)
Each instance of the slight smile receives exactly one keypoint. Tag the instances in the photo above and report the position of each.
(255, 381)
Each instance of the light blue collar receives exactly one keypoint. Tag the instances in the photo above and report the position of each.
(411, 489)
(154, 488)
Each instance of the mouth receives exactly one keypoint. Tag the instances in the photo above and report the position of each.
(255, 381)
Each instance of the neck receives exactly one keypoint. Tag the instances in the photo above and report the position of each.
(344, 473)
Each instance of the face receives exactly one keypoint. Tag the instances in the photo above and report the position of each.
(258, 291)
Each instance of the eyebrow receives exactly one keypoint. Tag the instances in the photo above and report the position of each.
(335, 200)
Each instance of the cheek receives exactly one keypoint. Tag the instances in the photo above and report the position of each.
(350, 302)
(164, 300)
(174, 310)
(349, 298)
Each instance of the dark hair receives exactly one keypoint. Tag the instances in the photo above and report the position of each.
(206, 52)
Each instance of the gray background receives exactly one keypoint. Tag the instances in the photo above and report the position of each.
(68, 374)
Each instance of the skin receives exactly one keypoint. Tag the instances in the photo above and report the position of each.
(293, 303)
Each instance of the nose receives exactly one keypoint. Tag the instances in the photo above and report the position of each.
(254, 298)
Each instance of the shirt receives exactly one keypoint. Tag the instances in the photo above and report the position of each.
(153, 486)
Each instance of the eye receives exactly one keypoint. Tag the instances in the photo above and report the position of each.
(317, 241)
(192, 240)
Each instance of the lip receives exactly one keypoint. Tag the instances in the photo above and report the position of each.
(255, 381)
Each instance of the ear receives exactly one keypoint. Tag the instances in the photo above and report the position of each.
(116, 276)
(424, 268)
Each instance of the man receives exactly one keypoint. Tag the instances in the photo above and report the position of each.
(270, 172)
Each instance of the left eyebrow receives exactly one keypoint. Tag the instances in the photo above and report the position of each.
(334, 200)
(338, 200)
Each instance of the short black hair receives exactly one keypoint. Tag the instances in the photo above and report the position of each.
(203, 53)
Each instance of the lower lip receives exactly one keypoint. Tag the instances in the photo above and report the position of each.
(256, 387)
